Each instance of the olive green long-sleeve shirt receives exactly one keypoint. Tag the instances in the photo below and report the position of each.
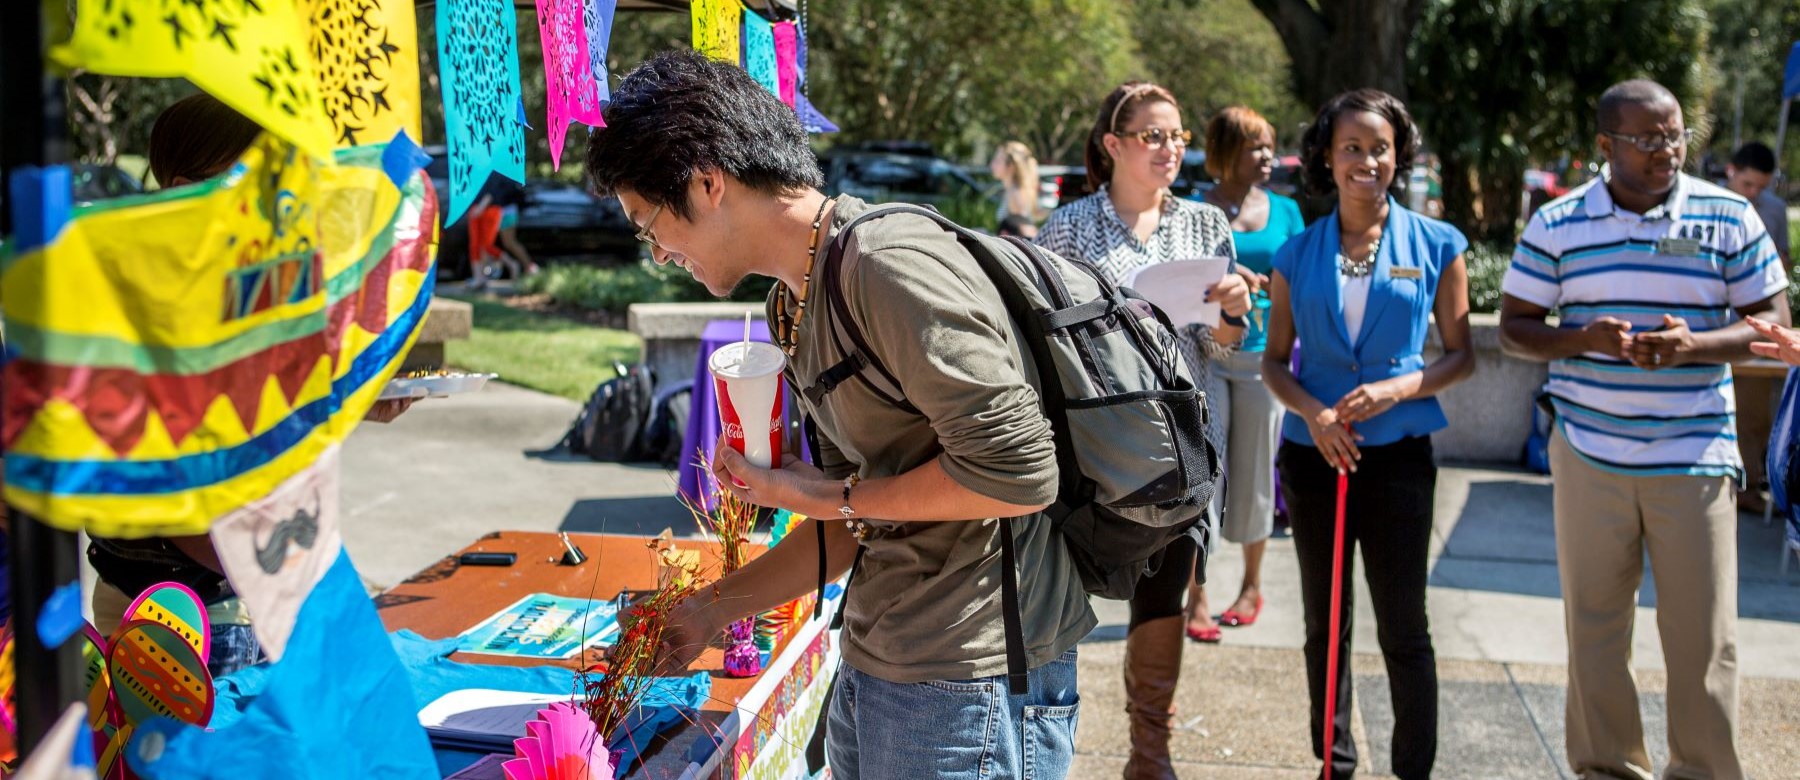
(925, 604)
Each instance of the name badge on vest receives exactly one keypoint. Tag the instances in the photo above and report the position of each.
(1678, 247)
(1403, 272)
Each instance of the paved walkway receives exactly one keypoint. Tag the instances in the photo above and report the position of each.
(453, 469)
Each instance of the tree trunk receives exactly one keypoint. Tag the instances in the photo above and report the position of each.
(1502, 200)
(1459, 194)
(1350, 45)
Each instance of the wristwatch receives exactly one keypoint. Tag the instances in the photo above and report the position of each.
(1234, 320)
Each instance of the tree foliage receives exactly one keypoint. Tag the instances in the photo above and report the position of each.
(967, 75)
(1748, 48)
(1499, 83)
(1218, 53)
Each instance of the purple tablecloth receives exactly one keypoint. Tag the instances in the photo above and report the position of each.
(703, 417)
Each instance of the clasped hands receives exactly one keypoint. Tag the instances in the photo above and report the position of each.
(1331, 427)
(1666, 347)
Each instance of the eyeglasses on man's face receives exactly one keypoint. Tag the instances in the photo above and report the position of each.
(644, 234)
(1156, 137)
(1651, 143)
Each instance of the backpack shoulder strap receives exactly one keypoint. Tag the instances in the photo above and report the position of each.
(842, 327)
(1070, 489)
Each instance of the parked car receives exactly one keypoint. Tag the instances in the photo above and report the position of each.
(1060, 184)
(883, 176)
(1192, 181)
(559, 223)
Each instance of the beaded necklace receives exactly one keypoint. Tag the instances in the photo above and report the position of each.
(788, 339)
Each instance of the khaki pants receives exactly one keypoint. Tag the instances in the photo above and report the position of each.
(1604, 524)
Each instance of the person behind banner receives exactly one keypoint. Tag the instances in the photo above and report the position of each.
(195, 139)
(1360, 289)
(1654, 274)
(716, 173)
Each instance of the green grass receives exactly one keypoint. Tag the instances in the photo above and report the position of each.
(545, 353)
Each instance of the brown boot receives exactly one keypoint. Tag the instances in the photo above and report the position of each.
(1152, 667)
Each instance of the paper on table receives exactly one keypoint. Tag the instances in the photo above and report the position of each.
(484, 715)
(488, 768)
(1179, 288)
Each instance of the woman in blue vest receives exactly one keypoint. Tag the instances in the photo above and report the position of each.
(1359, 288)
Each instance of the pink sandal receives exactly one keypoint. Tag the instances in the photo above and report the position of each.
(1210, 636)
(1237, 619)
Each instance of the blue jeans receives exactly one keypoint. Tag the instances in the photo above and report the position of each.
(953, 729)
(233, 647)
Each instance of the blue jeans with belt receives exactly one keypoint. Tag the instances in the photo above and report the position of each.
(953, 729)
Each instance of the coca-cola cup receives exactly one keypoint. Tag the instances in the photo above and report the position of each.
(747, 380)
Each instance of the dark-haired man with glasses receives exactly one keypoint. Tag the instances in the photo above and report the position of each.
(716, 174)
(1654, 274)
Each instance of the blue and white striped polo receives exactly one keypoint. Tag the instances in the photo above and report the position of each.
(1699, 256)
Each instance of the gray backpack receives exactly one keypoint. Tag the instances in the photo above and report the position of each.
(1135, 469)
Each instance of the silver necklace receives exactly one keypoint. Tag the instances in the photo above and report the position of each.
(1356, 269)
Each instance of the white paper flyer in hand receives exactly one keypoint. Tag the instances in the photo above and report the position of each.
(1179, 288)
(544, 626)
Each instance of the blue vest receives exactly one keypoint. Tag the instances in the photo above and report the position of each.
(1334, 362)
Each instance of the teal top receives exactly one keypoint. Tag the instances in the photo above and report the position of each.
(1256, 250)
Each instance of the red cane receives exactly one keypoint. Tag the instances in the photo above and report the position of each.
(1337, 603)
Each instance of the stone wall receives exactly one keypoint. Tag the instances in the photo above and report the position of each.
(1490, 412)
(671, 333)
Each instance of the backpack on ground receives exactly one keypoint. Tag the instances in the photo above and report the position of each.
(665, 435)
(1135, 469)
(611, 423)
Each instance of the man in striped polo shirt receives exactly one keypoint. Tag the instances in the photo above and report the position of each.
(1652, 273)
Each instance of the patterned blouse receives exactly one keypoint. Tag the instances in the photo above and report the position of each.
(1090, 230)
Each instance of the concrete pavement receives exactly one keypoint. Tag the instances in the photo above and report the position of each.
(453, 469)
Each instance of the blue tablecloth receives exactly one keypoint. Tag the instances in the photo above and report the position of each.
(703, 416)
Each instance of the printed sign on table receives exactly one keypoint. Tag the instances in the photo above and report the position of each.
(544, 626)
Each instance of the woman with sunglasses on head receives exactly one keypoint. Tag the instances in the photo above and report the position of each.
(1131, 220)
(1360, 288)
